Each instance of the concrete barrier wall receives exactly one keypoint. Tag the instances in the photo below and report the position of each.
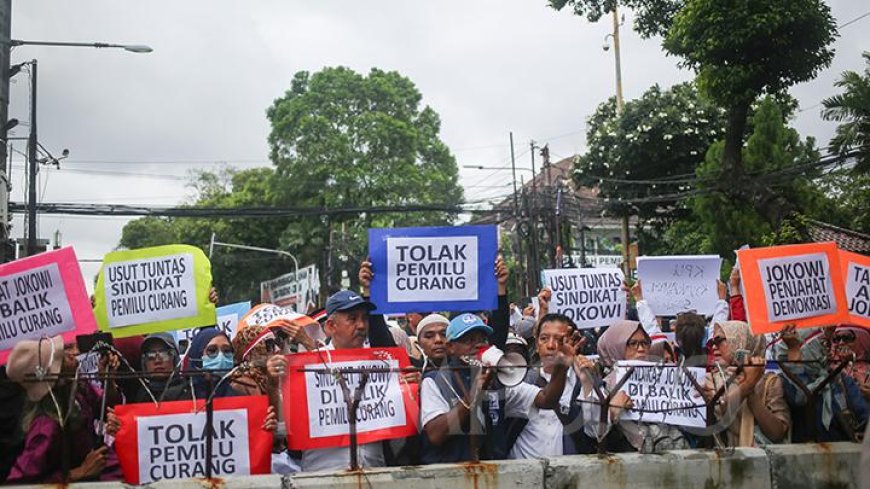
(833, 465)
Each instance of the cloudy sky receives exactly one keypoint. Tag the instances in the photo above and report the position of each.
(135, 124)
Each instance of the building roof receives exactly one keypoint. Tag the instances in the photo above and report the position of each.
(846, 239)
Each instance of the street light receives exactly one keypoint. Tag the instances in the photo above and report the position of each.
(133, 48)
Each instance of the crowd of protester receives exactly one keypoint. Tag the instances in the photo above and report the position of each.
(805, 385)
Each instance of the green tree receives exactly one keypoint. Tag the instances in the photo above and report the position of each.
(649, 151)
(777, 160)
(341, 139)
(852, 109)
(652, 17)
(742, 49)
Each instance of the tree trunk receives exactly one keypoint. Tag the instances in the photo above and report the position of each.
(732, 154)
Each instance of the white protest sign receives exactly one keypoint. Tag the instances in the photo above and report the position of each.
(797, 286)
(298, 292)
(674, 284)
(858, 288)
(33, 303)
(663, 394)
(150, 289)
(172, 446)
(381, 404)
(590, 297)
(426, 266)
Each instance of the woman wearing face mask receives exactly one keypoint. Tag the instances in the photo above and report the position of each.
(852, 344)
(211, 351)
(753, 407)
(623, 340)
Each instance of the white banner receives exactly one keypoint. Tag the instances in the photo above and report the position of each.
(33, 303)
(665, 392)
(426, 269)
(590, 297)
(674, 284)
(381, 404)
(288, 290)
(797, 286)
(858, 289)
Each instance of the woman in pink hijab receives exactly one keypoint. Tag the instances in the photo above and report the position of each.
(852, 343)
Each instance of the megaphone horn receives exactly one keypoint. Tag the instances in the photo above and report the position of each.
(511, 369)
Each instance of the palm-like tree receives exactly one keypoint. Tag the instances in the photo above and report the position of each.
(852, 109)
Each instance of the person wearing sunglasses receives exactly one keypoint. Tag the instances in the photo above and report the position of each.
(852, 344)
(753, 407)
(158, 358)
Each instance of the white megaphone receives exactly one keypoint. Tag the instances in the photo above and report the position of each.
(510, 368)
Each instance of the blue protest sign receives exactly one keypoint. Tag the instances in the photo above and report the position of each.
(227, 318)
(434, 269)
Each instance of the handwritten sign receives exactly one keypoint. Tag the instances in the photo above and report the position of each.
(856, 274)
(167, 441)
(432, 269)
(663, 394)
(43, 295)
(674, 284)
(150, 290)
(227, 319)
(318, 417)
(590, 297)
(794, 284)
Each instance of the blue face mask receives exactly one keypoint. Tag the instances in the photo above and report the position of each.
(223, 361)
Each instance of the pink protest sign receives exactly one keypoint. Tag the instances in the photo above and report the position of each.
(43, 295)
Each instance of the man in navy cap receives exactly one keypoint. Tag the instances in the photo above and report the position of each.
(450, 395)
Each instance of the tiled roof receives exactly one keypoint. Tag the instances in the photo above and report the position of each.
(846, 239)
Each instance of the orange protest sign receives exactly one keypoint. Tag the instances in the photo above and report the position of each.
(856, 275)
(793, 284)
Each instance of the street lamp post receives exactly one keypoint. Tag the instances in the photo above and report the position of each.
(32, 142)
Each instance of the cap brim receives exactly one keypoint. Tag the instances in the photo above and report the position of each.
(481, 327)
(364, 304)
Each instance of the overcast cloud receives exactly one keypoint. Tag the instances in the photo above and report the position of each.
(486, 66)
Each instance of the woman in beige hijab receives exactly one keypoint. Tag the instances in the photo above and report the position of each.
(753, 408)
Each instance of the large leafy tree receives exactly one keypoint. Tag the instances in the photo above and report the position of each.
(342, 139)
(742, 49)
(775, 159)
(852, 109)
(339, 140)
(649, 151)
(652, 17)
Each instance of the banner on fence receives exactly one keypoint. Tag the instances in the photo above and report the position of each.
(168, 440)
(663, 393)
(318, 416)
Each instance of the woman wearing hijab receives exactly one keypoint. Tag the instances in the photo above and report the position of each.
(56, 407)
(623, 340)
(852, 344)
(211, 353)
(159, 359)
(838, 411)
(753, 406)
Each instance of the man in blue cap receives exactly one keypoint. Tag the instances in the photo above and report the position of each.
(450, 395)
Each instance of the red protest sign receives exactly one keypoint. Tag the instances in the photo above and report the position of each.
(856, 275)
(314, 405)
(43, 295)
(793, 284)
(167, 440)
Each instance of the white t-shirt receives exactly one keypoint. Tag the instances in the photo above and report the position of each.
(519, 400)
(332, 459)
(542, 435)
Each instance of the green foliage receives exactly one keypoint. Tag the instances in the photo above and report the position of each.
(662, 135)
(338, 140)
(852, 109)
(652, 17)
(779, 181)
(744, 48)
(794, 230)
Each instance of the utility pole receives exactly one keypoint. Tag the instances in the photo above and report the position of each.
(620, 105)
(521, 276)
(533, 226)
(32, 166)
(5, 41)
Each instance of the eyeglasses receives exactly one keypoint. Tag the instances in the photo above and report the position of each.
(716, 341)
(212, 350)
(843, 338)
(157, 355)
(636, 344)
